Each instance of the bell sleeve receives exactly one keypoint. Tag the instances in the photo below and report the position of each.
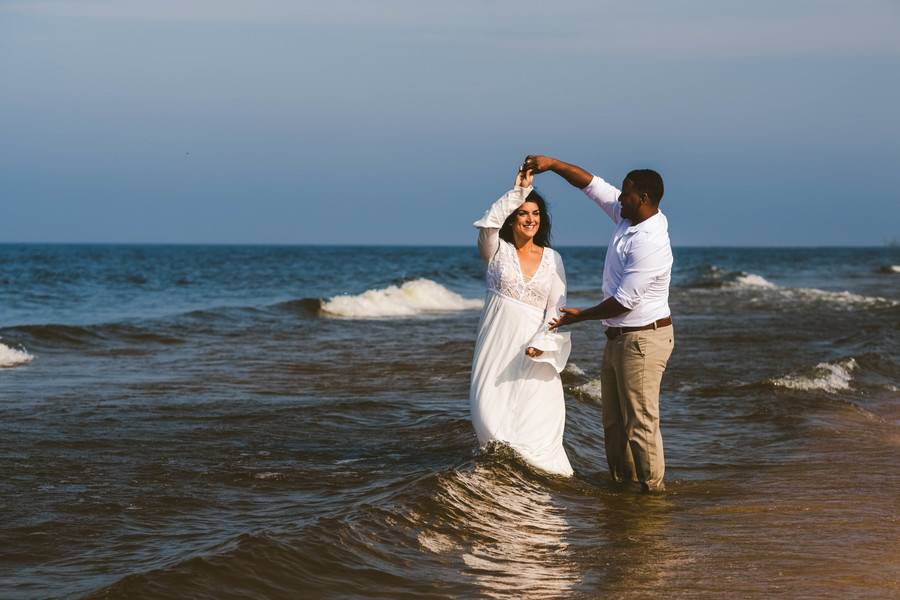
(489, 225)
(555, 345)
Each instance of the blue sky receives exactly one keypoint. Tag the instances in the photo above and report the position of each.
(773, 123)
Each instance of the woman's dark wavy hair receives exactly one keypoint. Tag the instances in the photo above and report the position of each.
(542, 237)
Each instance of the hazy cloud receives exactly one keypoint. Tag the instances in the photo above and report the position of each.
(686, 28)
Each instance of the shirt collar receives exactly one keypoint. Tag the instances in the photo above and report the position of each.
(651, 225)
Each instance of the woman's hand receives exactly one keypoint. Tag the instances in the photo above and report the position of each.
(524, 178)
(533, 352)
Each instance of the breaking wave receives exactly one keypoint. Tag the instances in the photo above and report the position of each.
(845, 299)
(750, 280)
(497, 515)
(54, 334)
(716, 277)
(827, 377)
(590, 390)
(412, 298)
(763, 290)
(574, 369)
(12, 357)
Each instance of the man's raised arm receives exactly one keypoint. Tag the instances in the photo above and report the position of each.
(571, 173)
(606, 196)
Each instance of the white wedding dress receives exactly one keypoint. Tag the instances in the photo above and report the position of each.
(514, 398)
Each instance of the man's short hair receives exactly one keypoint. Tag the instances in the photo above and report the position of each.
(647, 181)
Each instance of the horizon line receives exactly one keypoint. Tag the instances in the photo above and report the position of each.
(887, 244)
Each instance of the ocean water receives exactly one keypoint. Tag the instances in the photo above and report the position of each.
(292, 422)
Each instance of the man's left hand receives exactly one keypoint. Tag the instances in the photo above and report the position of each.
(568, 317)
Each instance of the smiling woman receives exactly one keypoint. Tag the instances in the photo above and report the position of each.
(528, 229)
(516, 395)
(533, 213)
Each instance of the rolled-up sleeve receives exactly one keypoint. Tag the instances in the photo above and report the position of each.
(645, 263)
(606, 196)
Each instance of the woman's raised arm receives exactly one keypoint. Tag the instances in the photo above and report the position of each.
(489, 225)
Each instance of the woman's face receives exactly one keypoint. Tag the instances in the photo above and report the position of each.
(528, 220)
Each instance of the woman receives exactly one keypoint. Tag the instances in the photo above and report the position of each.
(516, 395)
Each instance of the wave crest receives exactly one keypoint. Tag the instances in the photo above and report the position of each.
(827, 377)
(760, 290)
(304, 306)
(84, 335)
(412, 298)
(750, 280)
(574, 369)
(844, 299)
(712, 276)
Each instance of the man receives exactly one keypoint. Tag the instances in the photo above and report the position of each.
(640, 336)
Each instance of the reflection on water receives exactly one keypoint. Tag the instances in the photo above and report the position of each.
(516, 534)
(639, 548)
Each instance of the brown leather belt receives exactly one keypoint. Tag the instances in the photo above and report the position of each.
(614, 332)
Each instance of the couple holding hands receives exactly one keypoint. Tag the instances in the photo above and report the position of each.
(516, 395)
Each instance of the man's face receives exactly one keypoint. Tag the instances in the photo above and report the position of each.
(630, 201)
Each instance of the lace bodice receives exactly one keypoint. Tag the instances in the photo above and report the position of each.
(504, 276)
(546, 289)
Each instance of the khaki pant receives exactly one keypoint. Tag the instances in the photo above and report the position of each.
(633, 365)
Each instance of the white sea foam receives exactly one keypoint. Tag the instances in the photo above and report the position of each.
(827, 377)
(751, 280)
(719, 277)
(591, 390)
(411, 298)
(11, 357)
(574, 369)
(847, 300)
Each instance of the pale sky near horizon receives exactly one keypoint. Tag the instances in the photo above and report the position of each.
(773, 123)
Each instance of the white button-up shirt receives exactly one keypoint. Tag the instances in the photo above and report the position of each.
(638, 265)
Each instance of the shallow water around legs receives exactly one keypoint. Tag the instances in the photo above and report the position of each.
(285, 422)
